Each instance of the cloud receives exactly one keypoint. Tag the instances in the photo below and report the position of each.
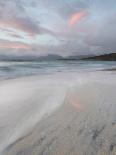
(24, 24)
(15, 35)
(94, 33)
(103, 35)
(64, 7)
(13, 15)
(76, 17)
(6, 44)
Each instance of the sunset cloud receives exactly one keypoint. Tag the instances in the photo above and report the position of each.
(22, 24)
(66, 27)
(76, 17)
(5, 44)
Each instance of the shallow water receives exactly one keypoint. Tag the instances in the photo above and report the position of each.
(19, 69)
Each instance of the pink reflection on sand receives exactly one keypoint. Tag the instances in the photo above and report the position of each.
(75, 103)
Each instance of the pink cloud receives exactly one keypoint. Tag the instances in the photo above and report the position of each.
(24, 24)
(76, 17)
(21, 24)
(5, 44)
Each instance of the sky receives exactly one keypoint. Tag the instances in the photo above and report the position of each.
(64, 27)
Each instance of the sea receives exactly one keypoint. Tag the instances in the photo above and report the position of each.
(15, 69)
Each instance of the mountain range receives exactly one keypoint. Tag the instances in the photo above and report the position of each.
(52, 57)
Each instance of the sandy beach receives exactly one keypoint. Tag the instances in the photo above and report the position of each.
(57, 77)
(84, 124)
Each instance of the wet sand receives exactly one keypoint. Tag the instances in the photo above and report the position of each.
(84, 125)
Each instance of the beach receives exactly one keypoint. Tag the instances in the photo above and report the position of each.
(61, 114)
(57, 77)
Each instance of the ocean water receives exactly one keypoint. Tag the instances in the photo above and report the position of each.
(14, 69)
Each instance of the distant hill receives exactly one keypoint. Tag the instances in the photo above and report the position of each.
(105, 57)
(48, 57)
(53, 57)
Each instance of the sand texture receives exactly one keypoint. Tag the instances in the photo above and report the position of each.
(85, 124)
